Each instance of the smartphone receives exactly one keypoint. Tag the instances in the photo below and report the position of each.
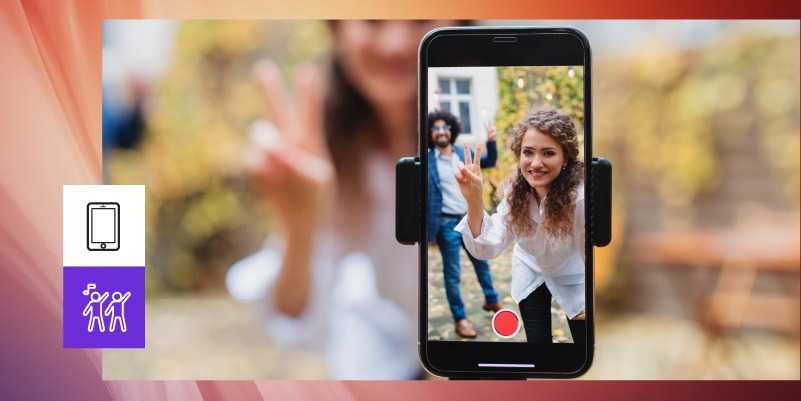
(514, 298)
(103, 226)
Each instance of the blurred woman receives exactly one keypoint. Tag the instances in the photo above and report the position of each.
(542, 212)
(336, 280)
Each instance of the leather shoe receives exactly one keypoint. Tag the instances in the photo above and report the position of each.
(465, 329)
(492, 308)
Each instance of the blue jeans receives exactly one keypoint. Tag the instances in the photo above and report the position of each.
(449, 242)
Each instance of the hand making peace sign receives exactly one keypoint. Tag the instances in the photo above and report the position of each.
(468, 175)
(491, 131)
(290, 160)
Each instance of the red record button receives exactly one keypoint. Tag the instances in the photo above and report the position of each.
(506, 323)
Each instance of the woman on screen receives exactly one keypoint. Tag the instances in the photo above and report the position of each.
(542, 213)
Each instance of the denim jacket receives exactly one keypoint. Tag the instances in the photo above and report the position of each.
(488, 159)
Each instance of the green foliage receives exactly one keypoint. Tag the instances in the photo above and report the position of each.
(202, 215)
(541, 86)
(682, 125)
(665, 116)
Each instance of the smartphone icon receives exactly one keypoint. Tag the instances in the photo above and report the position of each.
(103, 226)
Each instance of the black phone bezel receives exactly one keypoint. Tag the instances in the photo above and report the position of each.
(502, 46)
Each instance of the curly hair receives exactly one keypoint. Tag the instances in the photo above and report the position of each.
(449, 119)
(559, 207)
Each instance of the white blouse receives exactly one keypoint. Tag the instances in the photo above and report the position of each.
(362, 310)
(558, 263)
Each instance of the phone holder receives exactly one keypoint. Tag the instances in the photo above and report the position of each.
(409, 202)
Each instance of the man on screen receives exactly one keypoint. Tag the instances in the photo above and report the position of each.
(446, 207)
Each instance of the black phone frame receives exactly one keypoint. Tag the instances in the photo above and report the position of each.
(492, 47)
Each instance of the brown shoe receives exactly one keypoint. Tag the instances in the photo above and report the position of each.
(465, 329)
(492, 308)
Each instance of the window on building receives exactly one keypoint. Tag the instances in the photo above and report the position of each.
(455, 96)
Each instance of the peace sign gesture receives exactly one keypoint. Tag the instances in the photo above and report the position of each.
(289, 160)
(468, 176)
(491, 131)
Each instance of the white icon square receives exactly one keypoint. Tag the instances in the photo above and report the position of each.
(104, 225)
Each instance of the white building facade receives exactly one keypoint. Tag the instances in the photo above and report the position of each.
(469, 93)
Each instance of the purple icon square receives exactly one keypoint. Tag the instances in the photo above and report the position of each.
(104, 307)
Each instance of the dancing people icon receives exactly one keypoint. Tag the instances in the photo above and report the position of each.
(116, 308)
(104, 307)
(94, 309)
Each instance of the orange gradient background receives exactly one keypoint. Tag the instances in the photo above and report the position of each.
(50, 135)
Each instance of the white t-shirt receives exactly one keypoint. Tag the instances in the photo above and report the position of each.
(452, 200)
(535, 260)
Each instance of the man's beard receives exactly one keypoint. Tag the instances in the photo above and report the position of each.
(442, 142)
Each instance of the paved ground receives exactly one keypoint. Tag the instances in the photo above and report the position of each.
(207, 338)
(217, 338)
(440, 325)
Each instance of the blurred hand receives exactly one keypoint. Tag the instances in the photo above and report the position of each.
(289, 160)
(491, 132)
(468, 175)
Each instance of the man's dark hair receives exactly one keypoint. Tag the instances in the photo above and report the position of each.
(449, 119)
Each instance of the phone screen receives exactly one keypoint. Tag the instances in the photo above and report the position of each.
(103, 225)
(506, 254)
(461, 284)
